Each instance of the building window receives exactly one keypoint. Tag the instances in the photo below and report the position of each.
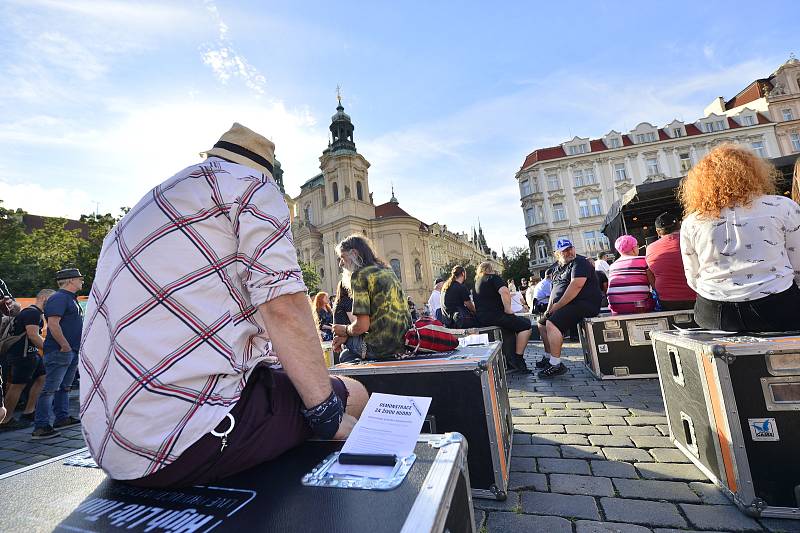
(708, 127)
(787, 114)
(583, 208)
(648, 137)
(686, 161)
(758, 148)
(539, 213)
(589, 177)
(577, 149)
(795, 141)
(417, 270)
(307, 214)
(559, 212)
(526, 187)
(619, 172)
(359, 191)
(614, 142)
(396, 267)
(677, 132)
(553, 183)
(719, 125)
(748, 120)
(577, 178)
(590, 240)
(596, 208)
(335, 188)
(541, 250)
(652, 166)
(530, 216)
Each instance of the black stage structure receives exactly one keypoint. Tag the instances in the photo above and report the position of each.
(635, 213)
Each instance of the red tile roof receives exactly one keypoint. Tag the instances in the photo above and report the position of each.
(732, 124)
(762, 119)
(691, 129)
(662, 135)
(597, 145)
(390, 209)
(751, 93)
(543, 154)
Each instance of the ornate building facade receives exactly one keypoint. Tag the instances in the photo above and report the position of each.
(337, 202)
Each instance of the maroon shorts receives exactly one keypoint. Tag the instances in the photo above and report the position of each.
(268, 422)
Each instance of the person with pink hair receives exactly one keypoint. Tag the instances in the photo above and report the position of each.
(629, 280)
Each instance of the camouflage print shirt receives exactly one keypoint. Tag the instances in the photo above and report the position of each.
(377, 293)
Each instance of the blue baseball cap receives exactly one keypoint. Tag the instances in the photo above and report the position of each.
(563, 244)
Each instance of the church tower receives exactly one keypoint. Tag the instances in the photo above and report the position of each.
(345, 173)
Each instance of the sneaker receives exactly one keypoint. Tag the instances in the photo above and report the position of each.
(14, 424)
(46, 432)
(553, 371)
(544, 362)
(67, 422)
(518, 365)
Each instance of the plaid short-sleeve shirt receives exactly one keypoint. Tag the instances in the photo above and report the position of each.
(172, 329)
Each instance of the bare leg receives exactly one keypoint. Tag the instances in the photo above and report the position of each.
(12, 398)
(543, 335)
(555, 339)
(522, 341)
(358, 396)
(33, 395)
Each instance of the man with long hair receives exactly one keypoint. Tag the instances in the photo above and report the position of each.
(493, 306)
(740, 244)
(380, 307)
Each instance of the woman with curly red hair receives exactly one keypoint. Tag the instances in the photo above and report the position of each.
(740, 244)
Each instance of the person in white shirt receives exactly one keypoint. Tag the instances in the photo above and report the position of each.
(601, 264)
(740, 244)
(541, 292)
(435, 300)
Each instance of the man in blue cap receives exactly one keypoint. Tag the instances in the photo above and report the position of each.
(575, 295)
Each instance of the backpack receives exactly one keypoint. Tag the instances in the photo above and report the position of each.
(7, 339)
(428, 335)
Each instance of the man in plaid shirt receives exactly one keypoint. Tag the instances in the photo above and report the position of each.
(190, 288)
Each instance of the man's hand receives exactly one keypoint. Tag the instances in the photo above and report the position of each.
(338, 342)
(348, 422)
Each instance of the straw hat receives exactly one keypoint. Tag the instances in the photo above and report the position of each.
(242, 145)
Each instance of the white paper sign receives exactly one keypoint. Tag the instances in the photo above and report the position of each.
(474, 340)
(390, 424)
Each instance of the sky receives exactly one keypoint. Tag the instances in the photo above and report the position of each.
(102, 100)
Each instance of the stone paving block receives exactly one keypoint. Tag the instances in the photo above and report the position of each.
(535, 450)
(527, 412)
(617, 441)
(587, 405)
(613, 469)
(634, 430)
(526, 480)
(525, 420)
(521, 438)
(674, 471)
(519, 403)
(646, 420)
(582, 452)
(607, 420)
(648, 441)
(563, 399)
(663, 429)
(561, 438)
(480, 519)
(505, 522)
(538, 428)
(647, 411)
(588, 485)
(634, 455)
(587, 526)
(780, 525)
(710, 493)
(642, 512)
(563, 420)
(670, 530)
(587, 429)
(563, 466)
(511, 503)
(609, 412)
(523, 464)
(669, 455)
(548, 405)
(650, 489)
(567, 412)
(566, 505)
(725, 517)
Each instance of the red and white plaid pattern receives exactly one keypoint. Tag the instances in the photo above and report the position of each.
(171, 329)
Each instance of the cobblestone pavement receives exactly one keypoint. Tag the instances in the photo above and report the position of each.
(594, 456)
(589, 456)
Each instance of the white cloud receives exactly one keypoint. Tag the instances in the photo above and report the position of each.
(50, 201)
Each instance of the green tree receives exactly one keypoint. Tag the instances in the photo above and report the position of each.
(516, 265)
(12, 236)
(89, 250)
(310, 277)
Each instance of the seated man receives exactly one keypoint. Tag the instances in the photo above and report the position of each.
(379, 304)
(576, 295)
(493, 305)
(541, 292)
(191, 286)
(666, 263)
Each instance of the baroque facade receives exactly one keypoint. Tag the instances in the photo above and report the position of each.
(337, 202)
(567, 190)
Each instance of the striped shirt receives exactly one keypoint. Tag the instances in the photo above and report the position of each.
(172, 329)
(628, 287)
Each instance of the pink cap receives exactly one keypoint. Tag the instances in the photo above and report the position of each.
(626, 244)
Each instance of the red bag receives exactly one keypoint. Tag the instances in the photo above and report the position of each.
(428, 335)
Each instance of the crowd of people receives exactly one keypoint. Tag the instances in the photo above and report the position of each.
(194, 370)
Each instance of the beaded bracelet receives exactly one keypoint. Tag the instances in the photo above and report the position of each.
(325, 417)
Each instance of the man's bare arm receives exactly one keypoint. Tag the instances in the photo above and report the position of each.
(572, 291)
(32, 331)
(505, 296)
(295, 340)
(54, 327)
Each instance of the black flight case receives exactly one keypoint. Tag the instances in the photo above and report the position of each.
(733, 404)
(70, 493)
(469, 395)
(619, 347)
